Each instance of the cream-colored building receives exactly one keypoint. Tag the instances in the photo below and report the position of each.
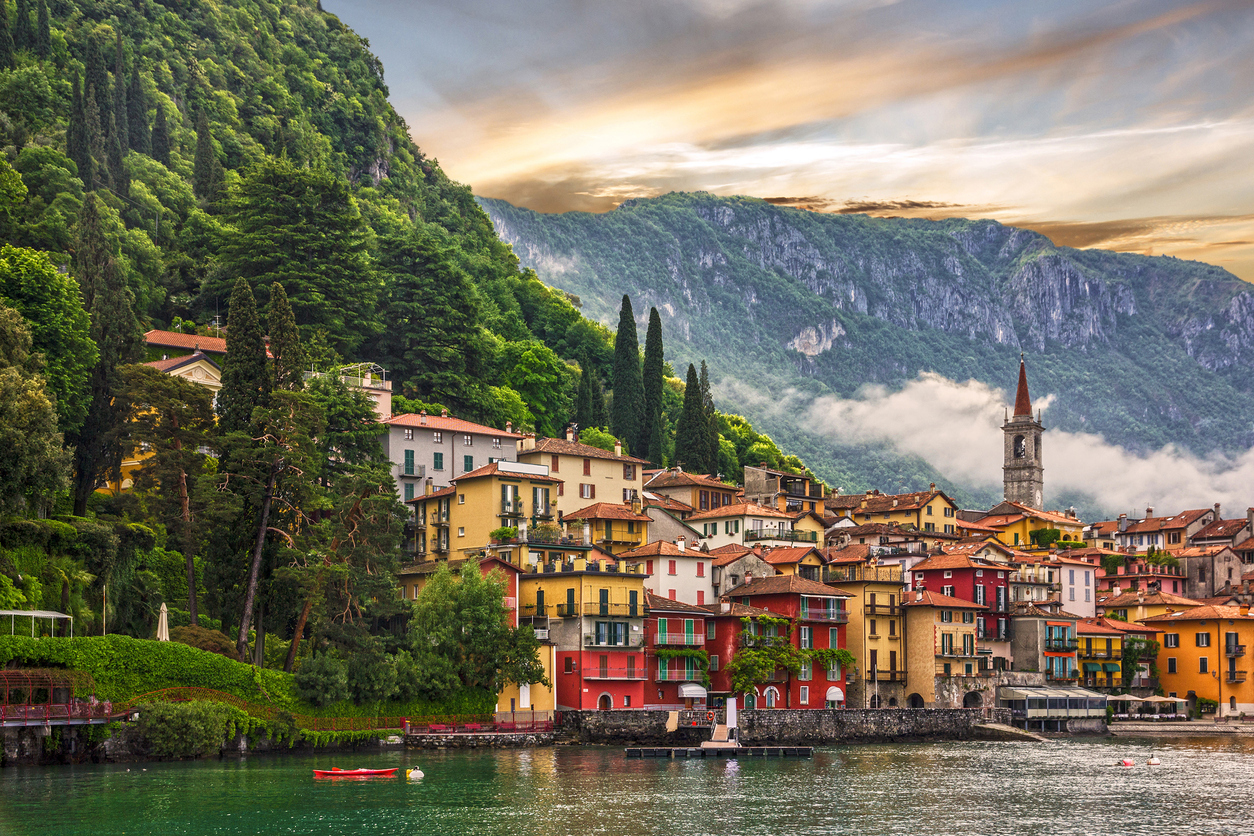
(588, 474)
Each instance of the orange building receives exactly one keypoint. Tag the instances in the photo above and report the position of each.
(1203, 655)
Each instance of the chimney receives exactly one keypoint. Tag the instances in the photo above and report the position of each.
(1245, 610)
(422, 416)
(428, 487)
(509, 426)
(618, 447)
(748, 578)
(1149, 512)
(931, 486)
(682, 542)
(724, 606)
(1218, 517)
(1123, 522)
(1249, 520)
(918, 595)
(570, 432)
(443, 413)
(527, 442)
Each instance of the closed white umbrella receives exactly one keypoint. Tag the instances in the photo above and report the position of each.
(163, 625)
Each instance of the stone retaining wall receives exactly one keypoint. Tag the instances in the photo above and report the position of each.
(503, 740)
(773, 727)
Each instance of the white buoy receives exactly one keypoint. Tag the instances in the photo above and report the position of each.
(1153, 761)
(415, 773)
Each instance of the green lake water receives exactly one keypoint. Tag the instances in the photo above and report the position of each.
(1055, 788)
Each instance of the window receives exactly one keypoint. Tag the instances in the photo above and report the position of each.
(461, 499)
(468, 462)
(468, 441)
(1202, 639)
(409, 434)
(496, 444)
(1071, 592)
(552, 464)
(670, 593)
(807, 672)
(947, 616)
(1171, 664)
(629, 473)
(979, 593)
(587, 467)
(437, 437)
(948, 573)
(700, 569)
(929, 510)
(437, 461)
(949, 528)
(892, 627)
(833, 637)
(949, 512)
(570, 664)
(1202, 664)
(415, 592)
(703, 500)
(627, 697)
(873, 631)
(709, 631)
(713, 663)
(947, 590)
(670, 567)
(587, 491)
(409, 491)
(807, 639)
(929, 526)
(461, 531)
(979, 573)
(409, 462)
(805, 694)
(968, 617)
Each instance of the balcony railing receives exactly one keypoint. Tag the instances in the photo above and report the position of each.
(679, 675)
(1234, 676)
(886, 676)
(606, 610)
(957, 651)
(1234, 650)
(788, 535)
(1063, 676)
(834, 616)
(882, 609)
(631, 640)
(1095, 653)
(511, 508)
(696, 638)
(1060, 645)
(598, 672)
(750, 640)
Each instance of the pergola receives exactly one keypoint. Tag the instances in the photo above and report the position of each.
(52, 616)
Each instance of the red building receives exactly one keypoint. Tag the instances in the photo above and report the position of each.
(723, 628)
(818, 617)
(970, 579)
(674, 635)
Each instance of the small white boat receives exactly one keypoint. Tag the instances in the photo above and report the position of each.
(1127, 762)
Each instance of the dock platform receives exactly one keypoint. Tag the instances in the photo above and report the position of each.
(722, 752)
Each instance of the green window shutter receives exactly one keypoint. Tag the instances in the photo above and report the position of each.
(437, 461)
(409, 462)
(468, 463)
(661, 630)
(689, 626)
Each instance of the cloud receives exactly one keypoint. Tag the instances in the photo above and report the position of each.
(956, 428)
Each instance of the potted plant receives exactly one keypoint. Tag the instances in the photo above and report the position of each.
(504, 534)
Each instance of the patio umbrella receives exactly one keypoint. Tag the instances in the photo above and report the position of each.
(1157, 698)
(163, 624)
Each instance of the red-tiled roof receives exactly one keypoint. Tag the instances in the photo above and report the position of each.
(173, 363)
(666, 503)
(927, 598)
(994, 527)
(1246, 545)
(449, 491)
(1202, 613)
(1156, 524)
(446, 423)
(1134, 597)
(950, 561)
(853, 553)
(785, 584)
(1121, 626)
(173, 339)
(888, 503)
(607, 511)
(661, 548)
(1221, 529)
(562, 447)
(658, 602)
(737, 610)
(675, 478)
(1048, 516)
(493, 469)
(1084, 627)
(740, 509)
(843, 502)
(783, 557)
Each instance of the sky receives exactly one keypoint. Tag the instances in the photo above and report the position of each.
(1121, 125)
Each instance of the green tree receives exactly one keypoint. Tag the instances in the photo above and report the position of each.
(600, 412)
(583, 399)
(114, 149)
(202, 165)
(76, 143)
(121, 116)
(692, 430)
(301, 227)
(52, 305)
(96, 148)
(160, 137)
(654, 363)
(43, 32)
(540, 377)
(172, 418)
(7, 47)
(35, 465)
(245, 378)
(96, 78)
(288, 356)
(460, 637)
(627, 420)
(115, 331)
(23, 32)
(137, 113)
(711, 420)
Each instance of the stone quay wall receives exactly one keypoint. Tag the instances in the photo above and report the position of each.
(492, 740)
(782, 726)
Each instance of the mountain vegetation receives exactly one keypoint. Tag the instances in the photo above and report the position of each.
(788, 302)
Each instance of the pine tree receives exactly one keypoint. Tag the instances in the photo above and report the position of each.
(120, 183)
(115, 330)
(43, 32)
(160, 137)
(289, 359)
(202, 166)
(137, 114)
(23, 32)
(245, 381)
(711, 420)
(121, 119)
(7, 47)
(653, 372)
(97, 174)
(692, 444)
(628, 385)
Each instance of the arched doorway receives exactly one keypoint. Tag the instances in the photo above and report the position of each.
(892, 702)
(751, 700)
(772, 697)
(605, 702)
(915, 701)
(973, 700)
(834, 698)
(875, 701)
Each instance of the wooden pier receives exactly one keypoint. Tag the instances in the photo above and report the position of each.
(722, 752)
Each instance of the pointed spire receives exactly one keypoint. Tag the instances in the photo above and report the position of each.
(1023, 403)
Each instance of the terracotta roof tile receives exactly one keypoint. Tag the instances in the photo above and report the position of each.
(1134, 597)
(853, 553)
(1221, 529)
(884, 503)
(785, 556)
(785, 584)
(661, 548)
(493, 469)
(1202, 613)
(445, 424)
(741, 509)
(1156, 524)
(173, 339)
(677, 479)
(666, 503)
(607, 511)
(562, 447)
(1122, 626)
(927, 598)
(737, 610)
(658, 602)
(449, 491)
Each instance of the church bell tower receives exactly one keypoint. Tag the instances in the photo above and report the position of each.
(1023, 474)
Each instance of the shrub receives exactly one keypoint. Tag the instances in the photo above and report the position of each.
(214, 641)
(191, 729)
(371, 677)
(323, 679)
(505, 533)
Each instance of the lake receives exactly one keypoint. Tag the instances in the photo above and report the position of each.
(1061, 787)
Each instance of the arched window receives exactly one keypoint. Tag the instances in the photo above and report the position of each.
(1020, 446)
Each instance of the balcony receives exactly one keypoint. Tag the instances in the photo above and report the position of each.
(598, 672)
(606, 610)
(632, 540)
(511, 508)
(1060, 645)
(1234, 650)
(693, 675)
(1234, 676)
(787, 535)
(695, 639)
(886, 676)
(832, 616)
(957, 652)
(631, 640)
(882, 609)
(751, 640)
(542, 634)
(1062, 676)
(1094, 654)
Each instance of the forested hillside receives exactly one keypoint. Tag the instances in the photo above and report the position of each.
(1145, 351)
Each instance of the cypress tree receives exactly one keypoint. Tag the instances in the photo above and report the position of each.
(96, 79)
(657, 442)
(583, 399)
(653, 370)
(289, 359)
(76, 130)
(202, 166)
(117, 171)
(23, 32)
(121, 120)
(43, 32)
(115, 330)
(160, 137)
(95, 148)
(711, 420)
(137, 114)
(600, 413)
(692, 443)
(7, 48)
(245, 382)
(628, 416)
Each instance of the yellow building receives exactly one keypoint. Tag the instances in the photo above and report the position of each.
(1099, 654)
(615, 527)
(805, 561)
(876, 632)
(1203, 652)
(696, 490)
(929, 510)
(587, 474)
(941, 643)
(1014, 523)
(1140, 604)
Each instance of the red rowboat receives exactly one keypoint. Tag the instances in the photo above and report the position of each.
(353, 773)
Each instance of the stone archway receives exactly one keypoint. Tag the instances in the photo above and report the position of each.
(974, 699)
(875, 701)
(892, 702)
(605, 702)
(915, 701)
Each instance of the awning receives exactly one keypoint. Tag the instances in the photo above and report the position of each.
(1092, 666)
(690, 690)
(1110, 666)
(834, 694)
